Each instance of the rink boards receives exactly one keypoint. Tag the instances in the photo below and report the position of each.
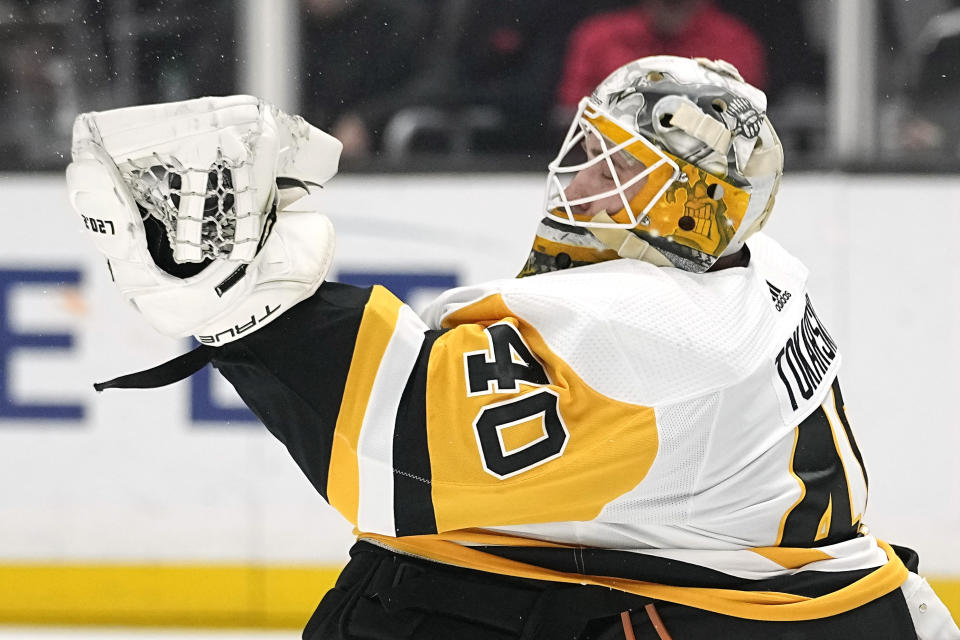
(173, 506)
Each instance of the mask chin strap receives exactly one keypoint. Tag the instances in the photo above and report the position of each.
(626, 243)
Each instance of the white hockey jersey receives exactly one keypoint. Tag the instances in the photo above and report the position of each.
(676, 435)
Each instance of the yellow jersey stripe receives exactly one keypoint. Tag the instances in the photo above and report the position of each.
(376, 329)
(791, 557)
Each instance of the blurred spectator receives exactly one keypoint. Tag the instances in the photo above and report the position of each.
(794, 32)
(37, 93)
(503, 69)
(485, 83)
(649, 27)
(797, 34)
(61, 57)
(354, 52)
(507, 62)
(174, 50)
(931, 87)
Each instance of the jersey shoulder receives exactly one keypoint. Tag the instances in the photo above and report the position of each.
(640, 333)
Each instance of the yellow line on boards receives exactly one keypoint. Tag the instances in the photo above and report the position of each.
(949, 591)
(161, 595)
(212, 596)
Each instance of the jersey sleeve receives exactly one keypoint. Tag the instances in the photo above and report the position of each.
(408, 430)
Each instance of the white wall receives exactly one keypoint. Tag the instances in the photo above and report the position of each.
(138, 479)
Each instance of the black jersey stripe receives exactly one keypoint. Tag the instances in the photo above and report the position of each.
(292, 373)
(817, 462)
(617, 564)
(842, 412)
(666, 571)
(412, 489)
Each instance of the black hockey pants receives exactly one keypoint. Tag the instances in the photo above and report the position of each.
(382, 595)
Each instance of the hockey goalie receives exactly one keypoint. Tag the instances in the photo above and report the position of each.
(642, 436)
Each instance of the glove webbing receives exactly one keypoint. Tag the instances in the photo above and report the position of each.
(183, 366)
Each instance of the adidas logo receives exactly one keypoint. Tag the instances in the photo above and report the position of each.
(779, 296)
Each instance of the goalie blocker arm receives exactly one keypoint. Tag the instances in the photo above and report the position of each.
(407, 430)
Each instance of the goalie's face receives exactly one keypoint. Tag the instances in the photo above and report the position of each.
(623, 174)
(598, 177)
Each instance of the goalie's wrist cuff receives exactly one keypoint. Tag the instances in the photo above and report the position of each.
(234, 300)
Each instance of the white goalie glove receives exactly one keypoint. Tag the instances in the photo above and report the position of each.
(182, 199)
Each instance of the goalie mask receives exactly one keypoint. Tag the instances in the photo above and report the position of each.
(183, 200)
(681, 166)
